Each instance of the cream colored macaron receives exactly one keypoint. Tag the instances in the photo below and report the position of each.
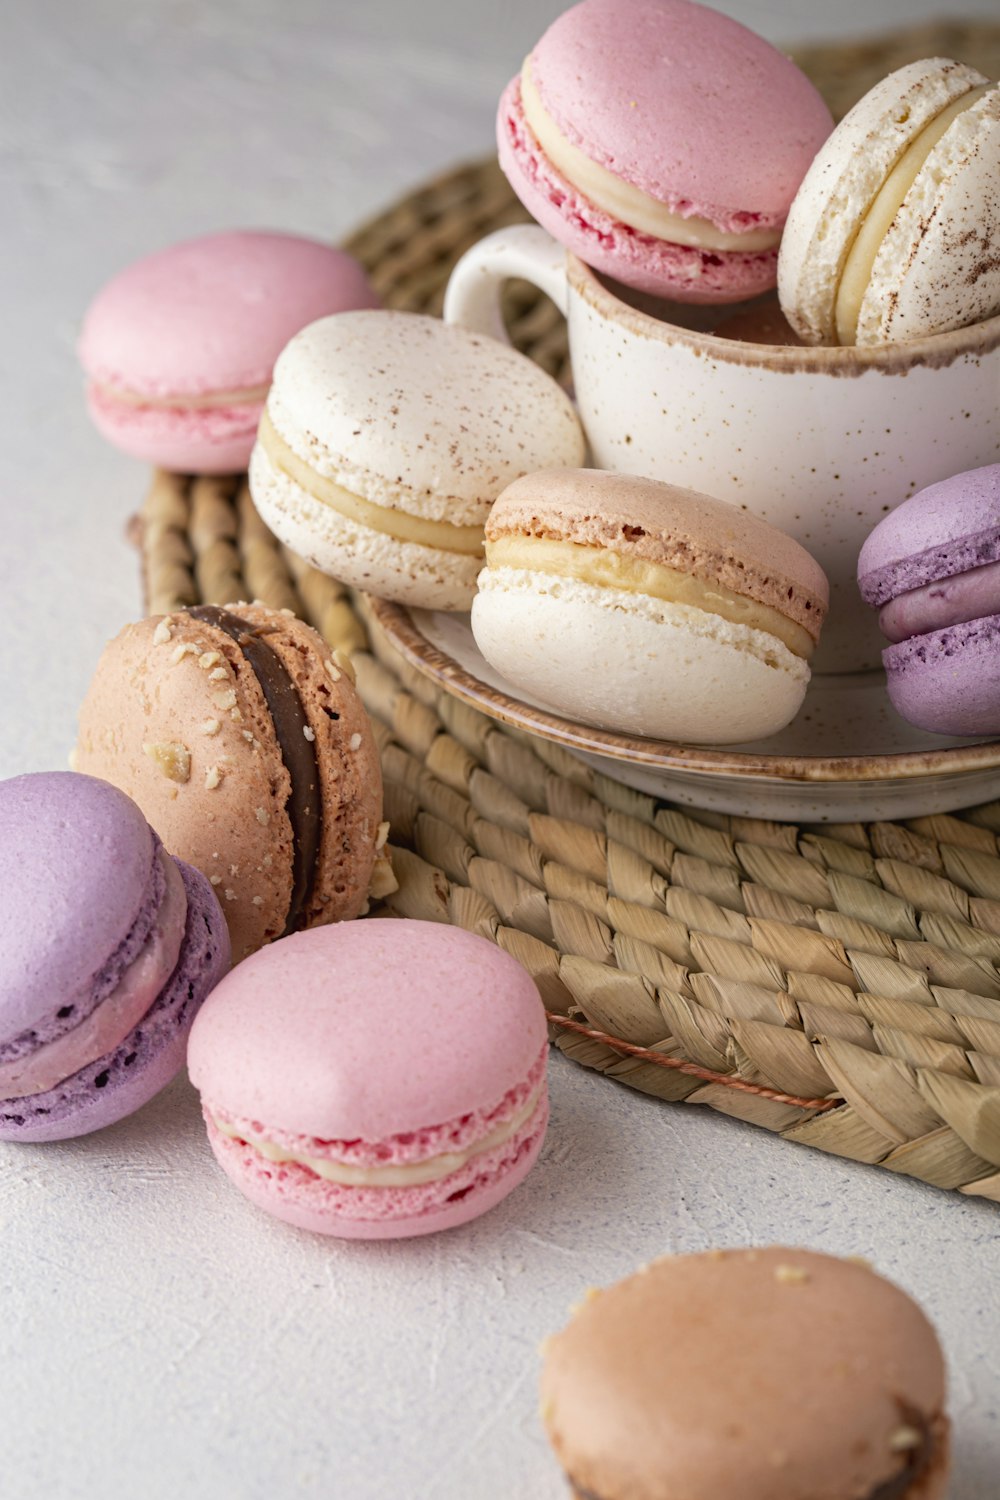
(772, 1374)
(646, 608)
(892, 235)
(385, 440)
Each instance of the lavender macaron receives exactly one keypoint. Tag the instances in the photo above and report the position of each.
(108, 946)
(932, 569)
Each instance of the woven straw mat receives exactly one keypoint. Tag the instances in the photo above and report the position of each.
(838, 985)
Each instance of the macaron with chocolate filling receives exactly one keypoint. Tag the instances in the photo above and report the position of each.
(246, 745)
(771, 1374)
(642, 607)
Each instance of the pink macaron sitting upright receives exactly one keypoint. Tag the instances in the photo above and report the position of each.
(663, 143)
(932, 569)
(178, 348)
(375, 1079)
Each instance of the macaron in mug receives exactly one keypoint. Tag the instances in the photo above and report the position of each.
(820, 442)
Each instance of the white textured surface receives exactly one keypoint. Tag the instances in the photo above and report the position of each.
(159, 1337)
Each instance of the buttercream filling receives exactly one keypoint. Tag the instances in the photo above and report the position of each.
(252, 395)
(604, 568)
(305, 803)
(624, 202)
(398, 524)
(107, 1027)
(856, 276)
(947, 601)
(407, 1174)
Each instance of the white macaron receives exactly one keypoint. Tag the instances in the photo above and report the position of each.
(893, 234)
(385, 440)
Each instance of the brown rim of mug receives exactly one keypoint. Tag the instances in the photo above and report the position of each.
(415, 648)
(933, 352)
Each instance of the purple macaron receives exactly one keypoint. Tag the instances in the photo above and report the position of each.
(108, 946)
(932, 569)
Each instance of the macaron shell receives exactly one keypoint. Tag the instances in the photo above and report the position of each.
(947, 528)
(216, 441)
(213, 313)
(635, 664)
(118, 1084)
(948, 681)
(658, 267)
(677, 1381)
(299, 1198)
(58, 935)
(685, 104)
(414, 414)
(937, 267)
(843, 180)
(303, 1039)
(408, 572)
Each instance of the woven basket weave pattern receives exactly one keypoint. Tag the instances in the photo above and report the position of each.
(857, 967)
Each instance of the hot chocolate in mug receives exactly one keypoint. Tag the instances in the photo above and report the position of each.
(821, 442)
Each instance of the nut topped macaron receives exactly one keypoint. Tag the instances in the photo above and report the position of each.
(386, 438)
(772, 1374)
(892, 235)
(246, 745)
(639, 606)
(662, 143)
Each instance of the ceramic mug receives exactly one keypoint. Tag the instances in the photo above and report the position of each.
(821, 442)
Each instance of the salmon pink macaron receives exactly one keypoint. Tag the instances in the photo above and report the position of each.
(662, 143)
(178, 348)
(374, 1080)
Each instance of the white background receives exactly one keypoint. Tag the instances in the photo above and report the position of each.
(159, 1338)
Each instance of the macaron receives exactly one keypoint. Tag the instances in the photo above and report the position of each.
(892, 234)
(386, 438)
(932, 569)
(246, 745)
(638, 606)
(375, 1080)
(178, 348)
(767, 1374)
(663, 144)
(108, 946)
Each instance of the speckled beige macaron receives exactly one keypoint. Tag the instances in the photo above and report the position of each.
(768, 1374)
(386, 438)
(642, 607)
(249, 751)
(892, 235)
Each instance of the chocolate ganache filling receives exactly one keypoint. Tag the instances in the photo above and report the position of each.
(305, 804)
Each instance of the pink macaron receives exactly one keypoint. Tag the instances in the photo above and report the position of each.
(375, 1079)
(663, 143)
(178, 348)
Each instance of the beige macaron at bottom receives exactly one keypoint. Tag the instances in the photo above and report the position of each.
(633, 663)
(407, 572)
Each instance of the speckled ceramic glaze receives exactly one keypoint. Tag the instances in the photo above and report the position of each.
(820, 442)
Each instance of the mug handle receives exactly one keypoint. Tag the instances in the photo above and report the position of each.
(472, 298)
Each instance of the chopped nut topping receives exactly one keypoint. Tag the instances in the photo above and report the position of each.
(162, 634)
(209, 659)
(262, 815)
(247, 735)
(332, 670)
(268, 861)
(215, 879)
(213, 778)
(230, 894)
(905, 1438)
(218, 674)
(791, 1275)
(211, 726)
(236, 716)
(355, 742)
(381, 836)
(288, 613)
(234, 869)
(225, 698)
(309, 733)
(173, 760)
(184, 649)
(258, 900)
(346, 666)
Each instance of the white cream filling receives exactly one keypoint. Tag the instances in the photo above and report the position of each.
(628, 204)
(207, 401)
(408, 1174)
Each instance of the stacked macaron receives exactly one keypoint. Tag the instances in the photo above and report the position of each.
(386, 438)
(108, 946)
(246, 745)
(643, 607)
(178, 348)
(663, 143)
(932, 569)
